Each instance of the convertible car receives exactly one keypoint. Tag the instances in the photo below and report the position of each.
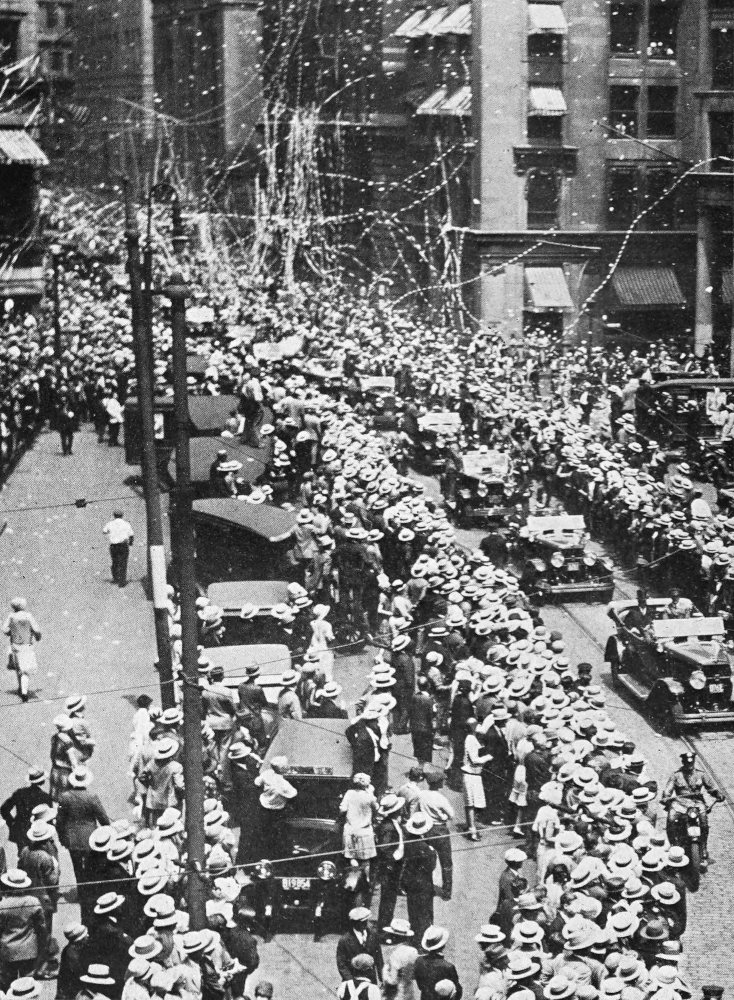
(679, 668)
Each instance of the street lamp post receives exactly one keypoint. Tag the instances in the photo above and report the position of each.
(55, 251)
(184, 552)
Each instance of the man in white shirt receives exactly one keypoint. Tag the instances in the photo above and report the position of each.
(113, 409)
(120, 536)
(276, 792)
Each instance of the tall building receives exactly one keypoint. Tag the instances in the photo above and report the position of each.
(207, 81)
(114, 89)
(582, 124)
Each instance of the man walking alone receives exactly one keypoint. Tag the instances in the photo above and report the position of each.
(120, 535)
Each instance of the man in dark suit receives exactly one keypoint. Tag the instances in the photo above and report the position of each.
(16, 810)
(80, 813)
(360, 939)
(364, 743)
(422, 722)
(498, 772)
(431, 968)
(326, 706)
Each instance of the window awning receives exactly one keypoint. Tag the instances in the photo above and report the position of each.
(546, 288)
(410, 24)
(647, 288)
(457, 23)
(432, 104)
(16, 146)
(430, 24)
(727, 286)
(459, 104)
(546, 101)
(546, 17)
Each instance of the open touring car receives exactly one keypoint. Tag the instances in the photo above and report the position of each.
(680, 668)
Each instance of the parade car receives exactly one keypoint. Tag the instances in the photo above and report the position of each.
(558, 563)
(378, 392)
(273, 659)
(679, 668)
(480, 494)
(236, 540)
(430, 444)
(315, 887)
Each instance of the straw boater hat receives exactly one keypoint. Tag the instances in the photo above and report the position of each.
(81, 777)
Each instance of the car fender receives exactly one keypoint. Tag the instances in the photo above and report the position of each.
(673, 687)
(614, 650)
(538, 565)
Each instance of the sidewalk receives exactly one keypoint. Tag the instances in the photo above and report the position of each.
(95, 635)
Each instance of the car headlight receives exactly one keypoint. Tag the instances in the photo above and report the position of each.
(327, 871)
(263, 869)
(697, 680)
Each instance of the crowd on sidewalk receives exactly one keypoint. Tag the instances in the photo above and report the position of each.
(592, 902)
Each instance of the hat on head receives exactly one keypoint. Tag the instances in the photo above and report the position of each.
(40, 831)
(665, 893)
(146, 947)
(391, 803)
(98, 975)
(445, 989)
(559, 988)
(81, 777)
(101, 839)
(435, 938)
(37, 776)
(419, 824)
(14, 878)
(108, 903)
(165, 748)
(75, 702)
(522, 965)
(677, 857)
(359, 915)
(24, 989)
(514, 856)
(76, 932)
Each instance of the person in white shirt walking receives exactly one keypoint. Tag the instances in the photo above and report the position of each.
(435, 805)
(113, 409)
(22, 630)
(120, 536)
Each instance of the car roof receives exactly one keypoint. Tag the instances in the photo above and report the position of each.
(653, 602)
(383, 382)
(440, 420)
(485, 464)
(559, 522)
(314, 747)
(264, 594)
(274, 524)
(204, 450)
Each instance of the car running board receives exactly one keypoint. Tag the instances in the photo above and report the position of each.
(638, 690)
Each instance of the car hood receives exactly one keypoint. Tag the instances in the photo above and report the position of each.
(702, 654)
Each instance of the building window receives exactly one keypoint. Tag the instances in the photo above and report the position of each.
(658, 182)
(661, 112)
(542, 194)
(545, 131)
(624, 29)
(721, 134)
(662, 29)
(621, 197)
(722, 59)
(623, 109)
(545, 59)
(8, 40)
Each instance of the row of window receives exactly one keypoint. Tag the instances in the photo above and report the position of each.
(630, 190)
(651, 112)
(54, 18)
(638, 28)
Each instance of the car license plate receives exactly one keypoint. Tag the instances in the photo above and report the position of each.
(573, 567)
(716, 688)
(694, 831)
(296, 883)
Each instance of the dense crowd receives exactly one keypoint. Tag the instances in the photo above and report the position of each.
(592, 902)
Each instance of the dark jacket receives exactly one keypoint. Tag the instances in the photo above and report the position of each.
(431, 969)
(422, 713)
(16, 811)
(108, 945)
(80, 813)
(348, 947)
(72, 964)
(418, 864)
(328, 709)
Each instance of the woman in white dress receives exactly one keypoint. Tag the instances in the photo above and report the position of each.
(322, 640)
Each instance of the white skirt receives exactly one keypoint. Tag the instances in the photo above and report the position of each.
(474, 792)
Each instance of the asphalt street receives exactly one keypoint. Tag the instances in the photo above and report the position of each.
(99, 638)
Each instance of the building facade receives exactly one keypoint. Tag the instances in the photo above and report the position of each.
(600, 196)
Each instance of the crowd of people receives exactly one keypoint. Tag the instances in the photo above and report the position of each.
(592, 902)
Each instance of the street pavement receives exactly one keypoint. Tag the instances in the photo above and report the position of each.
(98, 637)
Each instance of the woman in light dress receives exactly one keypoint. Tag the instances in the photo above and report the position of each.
(358, 808)
(322, 640)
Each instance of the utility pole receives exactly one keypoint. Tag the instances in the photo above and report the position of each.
(154, 517)
(183, 539)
